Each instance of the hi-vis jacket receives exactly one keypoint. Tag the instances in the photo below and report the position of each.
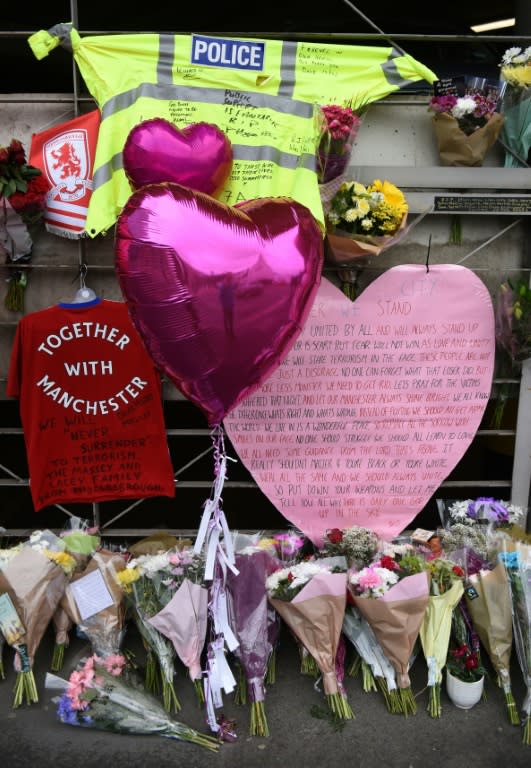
(262, 93)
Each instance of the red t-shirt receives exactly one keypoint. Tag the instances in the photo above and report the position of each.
(90, 406)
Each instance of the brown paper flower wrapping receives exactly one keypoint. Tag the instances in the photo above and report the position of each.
(458, 149)
(347, 248)
(105, 628)
(396, 624)
(317, 622)
(491, 614)
(35, 585)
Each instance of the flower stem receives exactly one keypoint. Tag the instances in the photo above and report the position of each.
(354, 666)
(240, 696)
(271, 673)
(58, 657)
(392, 699)
(151, 678)
(200, 694)
(339, 706)
(25, 689)
(309, 665)
(511, 708)
(526, 737)
(169, 697)
(434, 702)
(258, 726)
(407, 701)
(368, 681)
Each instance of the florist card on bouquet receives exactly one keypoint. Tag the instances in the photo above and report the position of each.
(10, 624)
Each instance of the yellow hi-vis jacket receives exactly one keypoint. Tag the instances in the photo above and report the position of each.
(264, 95)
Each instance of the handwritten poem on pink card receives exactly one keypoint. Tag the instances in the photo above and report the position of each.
(375, 404)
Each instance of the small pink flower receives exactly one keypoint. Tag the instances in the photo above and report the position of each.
(369, 579)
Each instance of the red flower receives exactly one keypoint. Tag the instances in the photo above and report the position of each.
(16, 152)
(458, 571)
(335, 536)
(471, 661)
(290, 577)
(389, 563)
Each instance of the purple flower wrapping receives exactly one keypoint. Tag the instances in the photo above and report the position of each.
(250, 616)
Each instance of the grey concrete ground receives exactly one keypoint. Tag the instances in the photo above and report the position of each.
(31, 736)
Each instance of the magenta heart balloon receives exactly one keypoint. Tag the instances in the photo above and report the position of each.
(198, 156)
(218, 294)
(375, 404)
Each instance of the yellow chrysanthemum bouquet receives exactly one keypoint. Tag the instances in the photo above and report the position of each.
(362, 222)
(515, 105)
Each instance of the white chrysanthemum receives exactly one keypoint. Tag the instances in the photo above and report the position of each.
(275, 578)
(463, 106)
(366, 224)
(351, 214)
(509, 55)
(150, 564)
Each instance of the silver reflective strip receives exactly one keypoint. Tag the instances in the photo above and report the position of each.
(63, 32)
(391, 73)
(239, 152)
(166, 55)
(167, 92)
(274, 155)
(288, 66)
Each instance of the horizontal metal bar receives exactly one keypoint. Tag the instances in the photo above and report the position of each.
(295, 35)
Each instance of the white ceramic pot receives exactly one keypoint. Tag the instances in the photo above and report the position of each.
(464, 695)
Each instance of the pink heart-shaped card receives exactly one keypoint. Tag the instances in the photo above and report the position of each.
(218, 294)
(376, 403)
(198, 156)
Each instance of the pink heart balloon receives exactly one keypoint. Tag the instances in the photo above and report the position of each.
(198, 156)
(218, 294)
(376, 403)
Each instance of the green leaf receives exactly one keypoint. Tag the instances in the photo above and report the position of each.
(10, 188)
(22, 186)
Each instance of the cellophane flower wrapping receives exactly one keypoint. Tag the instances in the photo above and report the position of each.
(143, 602)
(104, 694)
(490, 608)
(338, 127)
(315, 615)
(517, 564)
(395, 618)
(435, 634)
(183, 620)
(250, 621)
(104, 629)
(515, 105)
(377, 667)
(35, 584)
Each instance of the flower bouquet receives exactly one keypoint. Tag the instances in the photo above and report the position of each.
(488, 600)
(311, 599)
(182, 616)
(81, 542)
(141, 583)
(485, 509)
(31, 586)
(338, 127)
(463, 662)
(357, 544)
(250, 622)
(95, 602)
(103, 694)
(446, 590)
(362, 222)
(515, 105)
(23, 191)
(466, 127)
(517, 564)
(513, 319)
(393, 596)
